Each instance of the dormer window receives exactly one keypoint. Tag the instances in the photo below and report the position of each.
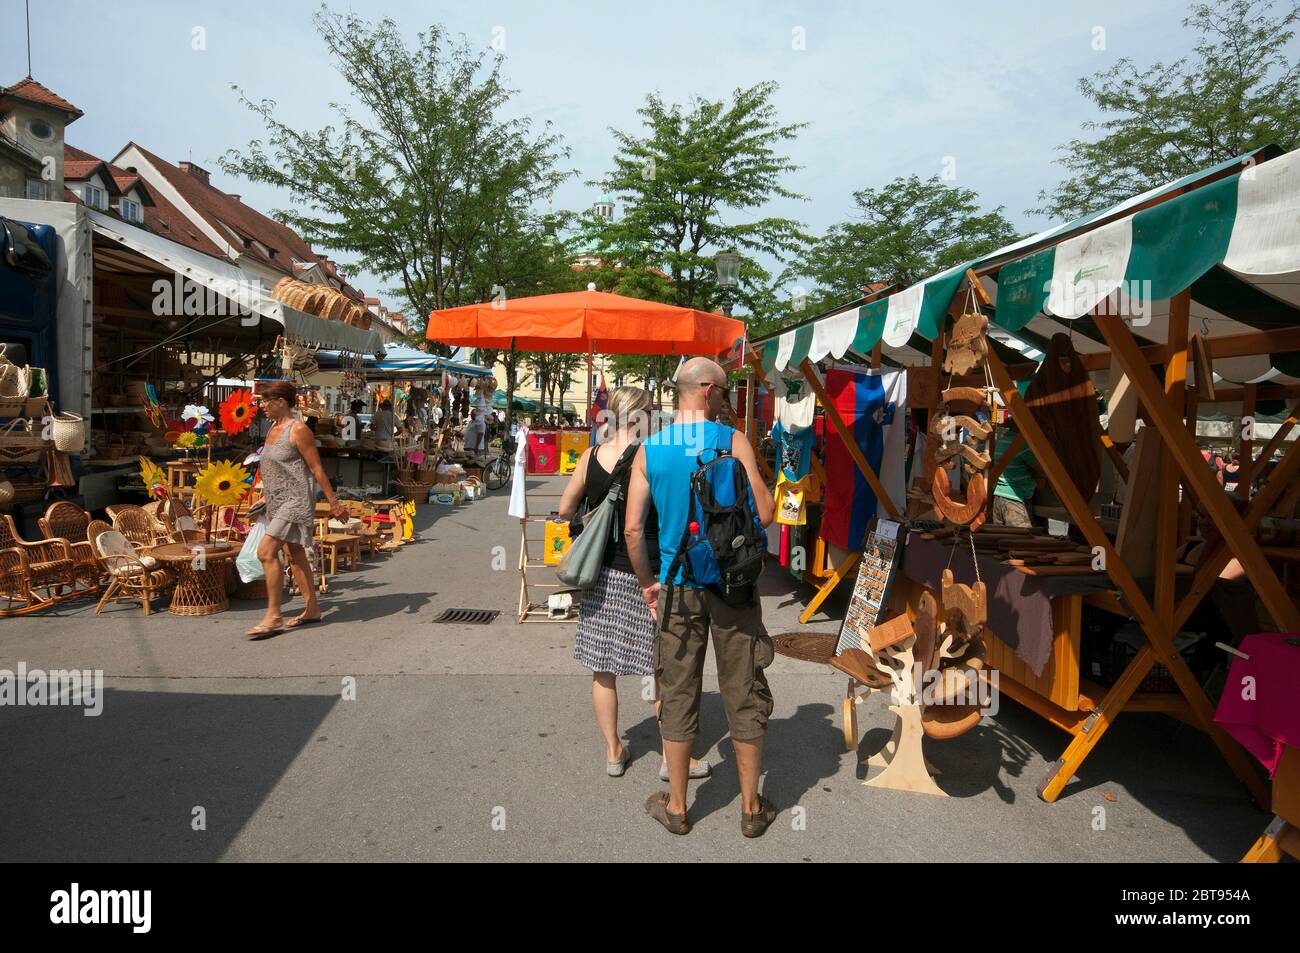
(93, 197)
(130, 210)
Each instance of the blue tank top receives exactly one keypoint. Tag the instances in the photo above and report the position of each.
(671, 456)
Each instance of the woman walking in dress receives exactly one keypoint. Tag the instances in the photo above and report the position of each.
(616, 631)
(289, 461)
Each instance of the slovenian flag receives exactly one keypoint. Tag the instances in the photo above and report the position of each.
(869, 404)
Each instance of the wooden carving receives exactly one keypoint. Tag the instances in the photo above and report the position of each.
(967, 345)
(973, 395)
(970, 602)
(969, 512)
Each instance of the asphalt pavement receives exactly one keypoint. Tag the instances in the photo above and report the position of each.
(383, 735)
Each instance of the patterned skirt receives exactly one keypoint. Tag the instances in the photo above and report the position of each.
(616, 632)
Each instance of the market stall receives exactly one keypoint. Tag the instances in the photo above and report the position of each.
(1179, 294)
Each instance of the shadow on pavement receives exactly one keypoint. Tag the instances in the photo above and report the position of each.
(124, 786)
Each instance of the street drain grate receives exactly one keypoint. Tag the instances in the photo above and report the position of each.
(468, 616)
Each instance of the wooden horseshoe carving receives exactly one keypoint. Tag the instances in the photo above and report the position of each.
(968, 512)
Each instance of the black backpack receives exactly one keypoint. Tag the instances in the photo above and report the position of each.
(724, 545)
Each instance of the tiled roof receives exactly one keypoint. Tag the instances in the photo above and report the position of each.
(79, 165)
(227, 214)
(160, 216)
(34, 92)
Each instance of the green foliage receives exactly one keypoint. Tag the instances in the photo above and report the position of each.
(424, 180)
(1239, 90)
(690, 186)
(904, 232)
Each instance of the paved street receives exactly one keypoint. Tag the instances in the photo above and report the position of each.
(456, 732)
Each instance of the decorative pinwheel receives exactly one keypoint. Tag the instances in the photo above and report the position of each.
(221, 484)
(155, 483)
(237, 412)
(197, 417)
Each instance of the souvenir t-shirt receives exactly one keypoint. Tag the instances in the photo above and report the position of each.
(794, 403)
(793, 497)
(794, 451)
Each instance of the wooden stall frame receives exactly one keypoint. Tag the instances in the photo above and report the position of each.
(1159, 623)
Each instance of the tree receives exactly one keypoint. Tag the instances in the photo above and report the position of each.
(521, 255)
(689, 186)
(904, 232)
(1239, 91)
(414, 180)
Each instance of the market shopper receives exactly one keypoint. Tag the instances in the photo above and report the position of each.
(616, 631)
(289, 462)
(1013, 495)
(661, 476)
(384, 423)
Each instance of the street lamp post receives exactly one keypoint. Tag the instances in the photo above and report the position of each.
(728, 266)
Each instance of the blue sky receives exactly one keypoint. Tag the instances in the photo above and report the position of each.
(887, 89)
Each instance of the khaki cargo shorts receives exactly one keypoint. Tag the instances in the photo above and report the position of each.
(741, 650)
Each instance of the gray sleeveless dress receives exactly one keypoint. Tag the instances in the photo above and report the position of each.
(290, 493)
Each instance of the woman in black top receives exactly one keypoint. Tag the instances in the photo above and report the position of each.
(616, 631)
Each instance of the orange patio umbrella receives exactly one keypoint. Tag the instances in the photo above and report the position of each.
(590, 321)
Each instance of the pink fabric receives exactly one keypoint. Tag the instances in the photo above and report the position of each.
(1269, 718)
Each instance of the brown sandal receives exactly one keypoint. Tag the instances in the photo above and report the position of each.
(262, 632)
(300, 621)
(656, 806)
(753, 825)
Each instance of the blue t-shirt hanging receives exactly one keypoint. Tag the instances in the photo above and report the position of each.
(794, 451)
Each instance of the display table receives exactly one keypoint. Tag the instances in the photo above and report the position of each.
(352, 466)
(199, 591)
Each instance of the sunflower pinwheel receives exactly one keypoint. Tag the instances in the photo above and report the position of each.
(237, 412)
(187, 440)
(221, 484)
(154, 481)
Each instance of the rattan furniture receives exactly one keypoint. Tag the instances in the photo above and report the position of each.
(27, 568)
(131, 575)
(68, 521)
(200, 577)
(137, 525)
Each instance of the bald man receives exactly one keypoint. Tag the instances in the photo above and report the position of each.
(742, 649)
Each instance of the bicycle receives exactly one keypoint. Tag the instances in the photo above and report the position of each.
(498, 470)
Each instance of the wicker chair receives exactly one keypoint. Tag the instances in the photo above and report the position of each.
(137, 525)
(68, 521)
(27, 567)
(131, 576)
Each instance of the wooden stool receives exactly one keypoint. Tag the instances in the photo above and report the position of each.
(336, 545)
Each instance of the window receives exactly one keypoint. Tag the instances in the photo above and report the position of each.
(130, 210)
(93, 197)
(36, 190)
(40, 129)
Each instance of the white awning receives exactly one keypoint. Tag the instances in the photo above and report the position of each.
(243, 288)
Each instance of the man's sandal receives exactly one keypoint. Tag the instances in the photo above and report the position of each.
(753, 825)
(656, 806)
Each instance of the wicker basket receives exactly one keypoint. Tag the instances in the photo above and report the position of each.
(20, 441)
(69, 433)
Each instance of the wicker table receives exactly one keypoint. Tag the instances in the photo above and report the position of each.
(199, 591)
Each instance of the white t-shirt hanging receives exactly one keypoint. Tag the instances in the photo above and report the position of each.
(794, 401)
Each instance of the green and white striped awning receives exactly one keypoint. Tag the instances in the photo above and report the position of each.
(1233, 237)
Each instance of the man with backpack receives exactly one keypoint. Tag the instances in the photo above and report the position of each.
(712, 507)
